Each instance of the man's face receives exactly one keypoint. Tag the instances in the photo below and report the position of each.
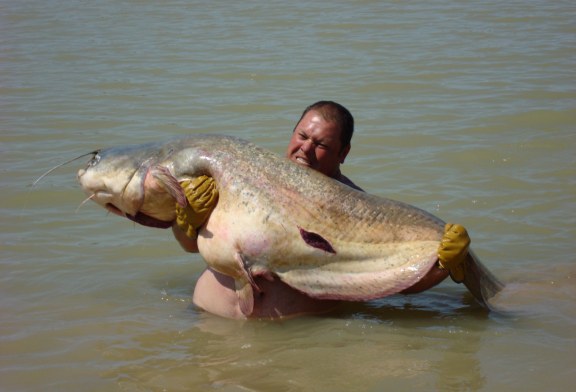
(316, 143)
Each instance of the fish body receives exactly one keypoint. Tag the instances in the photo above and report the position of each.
(317, 235)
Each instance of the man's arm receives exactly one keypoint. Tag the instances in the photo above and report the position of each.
(187, 243)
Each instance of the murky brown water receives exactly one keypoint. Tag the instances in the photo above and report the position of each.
(466, 110)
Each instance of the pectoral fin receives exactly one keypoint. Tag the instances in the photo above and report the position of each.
(245, 287)
(245, 297)
(169, 183)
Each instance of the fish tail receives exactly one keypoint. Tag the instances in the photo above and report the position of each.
(480, 281)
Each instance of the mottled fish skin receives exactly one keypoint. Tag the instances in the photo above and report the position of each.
(273, 216)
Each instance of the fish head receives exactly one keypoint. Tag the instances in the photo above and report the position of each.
(128, 182)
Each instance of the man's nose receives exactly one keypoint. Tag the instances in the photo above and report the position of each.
(307, 146)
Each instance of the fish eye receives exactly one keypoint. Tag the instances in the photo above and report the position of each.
(94, 161)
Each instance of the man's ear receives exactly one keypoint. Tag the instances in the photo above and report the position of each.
(344, 153)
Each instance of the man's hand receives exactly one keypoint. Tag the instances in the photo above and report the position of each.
(453, 250)
(202, 196)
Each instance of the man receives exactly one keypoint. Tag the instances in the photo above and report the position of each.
(321, 141)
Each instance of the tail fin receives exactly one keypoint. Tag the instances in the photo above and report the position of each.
(482, 283)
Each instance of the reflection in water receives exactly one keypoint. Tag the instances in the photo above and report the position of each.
(435, 336)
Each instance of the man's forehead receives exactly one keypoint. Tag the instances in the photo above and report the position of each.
(315, 121)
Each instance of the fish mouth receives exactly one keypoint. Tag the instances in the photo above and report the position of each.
(140, 218)
(113, 209)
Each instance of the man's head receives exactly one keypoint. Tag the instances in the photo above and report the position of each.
(321, 138)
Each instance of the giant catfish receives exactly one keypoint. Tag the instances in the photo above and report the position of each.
(317, 235)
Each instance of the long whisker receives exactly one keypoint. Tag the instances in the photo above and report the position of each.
(93, 153)
(84, 202)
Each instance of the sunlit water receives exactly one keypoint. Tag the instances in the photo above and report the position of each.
(466, 110)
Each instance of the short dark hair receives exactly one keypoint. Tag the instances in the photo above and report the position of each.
(334, 112)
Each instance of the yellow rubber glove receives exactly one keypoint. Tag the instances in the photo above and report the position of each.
(202, 196)
(453, 250)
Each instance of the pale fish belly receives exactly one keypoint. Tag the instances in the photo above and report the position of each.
(398, 267)
(244, 245)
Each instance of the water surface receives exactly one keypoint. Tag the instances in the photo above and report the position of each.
(465, 109)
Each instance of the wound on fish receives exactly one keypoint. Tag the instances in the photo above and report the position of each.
(316, 240)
